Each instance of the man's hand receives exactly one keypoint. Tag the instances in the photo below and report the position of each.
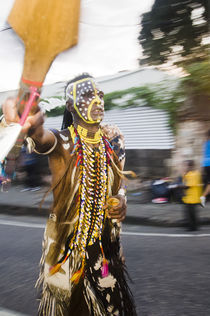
(119, 211)
(33, 122)
(33, 127)
(9, 109)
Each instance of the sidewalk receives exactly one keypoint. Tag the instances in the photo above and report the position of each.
(20, 203)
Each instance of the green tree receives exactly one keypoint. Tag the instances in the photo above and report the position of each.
(174, 30)
(195, 87)
(198, 78)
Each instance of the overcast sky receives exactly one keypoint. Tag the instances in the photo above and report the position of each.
(108, 43)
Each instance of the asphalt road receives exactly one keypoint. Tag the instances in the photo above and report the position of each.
(170, 268)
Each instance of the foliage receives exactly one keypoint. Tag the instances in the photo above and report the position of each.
(58, 110)
(159, 97)
(173, 31)
(198, 79)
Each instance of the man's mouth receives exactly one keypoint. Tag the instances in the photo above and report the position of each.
(98, 111)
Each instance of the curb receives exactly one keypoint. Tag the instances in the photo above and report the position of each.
(143, 221)
(23, 210)
(130, 220)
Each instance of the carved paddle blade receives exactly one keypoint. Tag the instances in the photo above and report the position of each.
(47, 27)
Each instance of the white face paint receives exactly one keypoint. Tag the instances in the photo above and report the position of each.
(87, 99)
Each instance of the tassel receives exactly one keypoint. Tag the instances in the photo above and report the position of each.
(105, 268)
(54, 269)
(77, 275)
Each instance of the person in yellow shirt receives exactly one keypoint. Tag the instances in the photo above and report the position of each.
(193, 190)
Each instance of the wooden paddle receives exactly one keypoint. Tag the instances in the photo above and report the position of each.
(47, 27)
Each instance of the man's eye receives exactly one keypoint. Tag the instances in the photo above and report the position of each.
(100, 94)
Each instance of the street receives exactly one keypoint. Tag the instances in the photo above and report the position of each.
(169, 267)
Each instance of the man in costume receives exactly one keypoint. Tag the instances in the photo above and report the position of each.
(82, 271)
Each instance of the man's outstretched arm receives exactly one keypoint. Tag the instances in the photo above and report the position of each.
(44, 140)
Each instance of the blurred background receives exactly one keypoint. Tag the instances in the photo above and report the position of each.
(151, 59)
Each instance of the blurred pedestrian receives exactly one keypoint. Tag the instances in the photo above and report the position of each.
(4, 180)
(192, 184)
(31, 167)
(206, 168)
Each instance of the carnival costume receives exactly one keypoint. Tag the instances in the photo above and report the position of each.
(82, 271)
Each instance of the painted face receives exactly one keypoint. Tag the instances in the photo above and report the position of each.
(87, 99)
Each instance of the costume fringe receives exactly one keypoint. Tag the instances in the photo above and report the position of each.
(95, 307)
(75, 263)
(40, 280)
(112, 249)
(53, 303)
(76, 186)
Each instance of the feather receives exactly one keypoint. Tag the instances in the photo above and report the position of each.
(77, 275)
(55, 268)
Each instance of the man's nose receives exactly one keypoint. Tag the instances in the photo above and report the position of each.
(98, 100)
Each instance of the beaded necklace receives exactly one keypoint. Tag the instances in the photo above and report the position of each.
(93, 192)
(83, 135)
